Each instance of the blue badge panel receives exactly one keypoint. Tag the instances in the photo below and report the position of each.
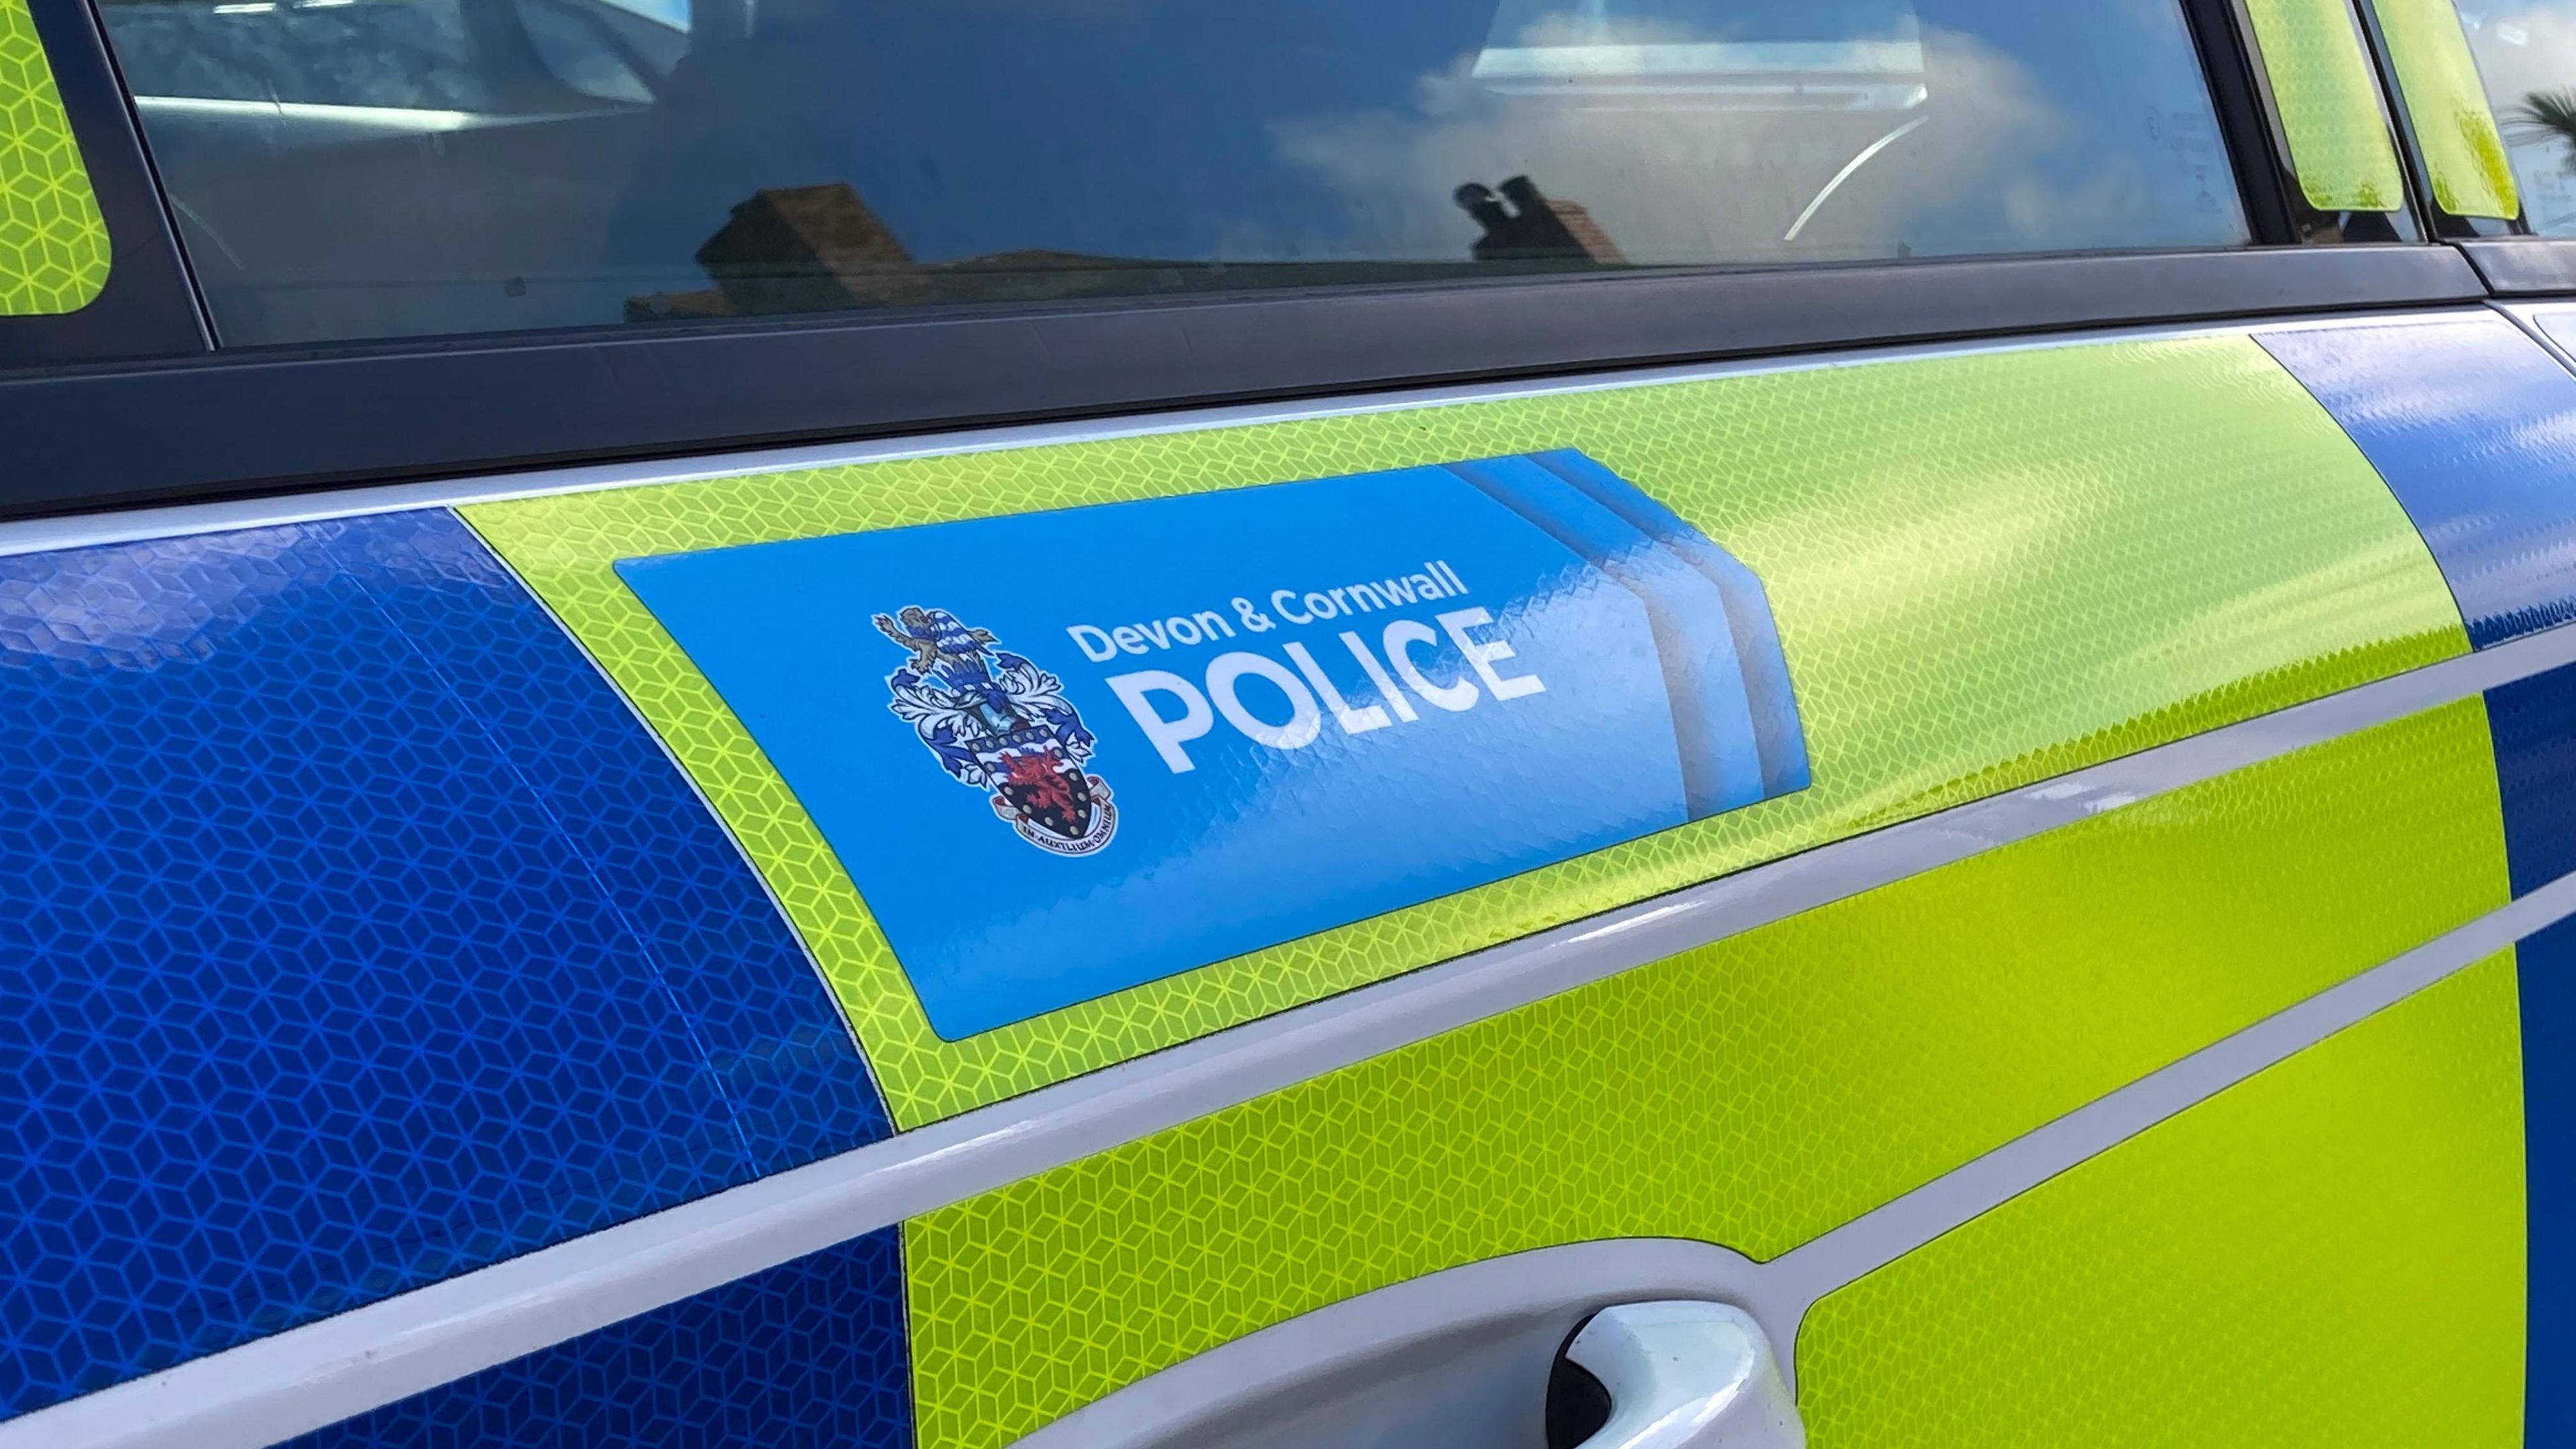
(1062, 754)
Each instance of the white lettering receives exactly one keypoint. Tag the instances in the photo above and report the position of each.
(1352, 721)
(1285, 602)
(1482, 656)
(1128, 639)
(1183, 631)
(1212, 624)
(1400, 637)
(1303, 723)
(1376, 672)
(1168, 735)
(1100, 652)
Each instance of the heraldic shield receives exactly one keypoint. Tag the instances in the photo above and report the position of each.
(999, 723)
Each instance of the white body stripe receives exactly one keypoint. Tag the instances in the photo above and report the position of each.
(307, 1377)
(310, 1376)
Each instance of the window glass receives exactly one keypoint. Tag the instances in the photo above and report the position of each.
(374, 168)
(2526, 55)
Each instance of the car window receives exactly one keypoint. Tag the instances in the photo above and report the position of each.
(2526, 56)
(382, 168)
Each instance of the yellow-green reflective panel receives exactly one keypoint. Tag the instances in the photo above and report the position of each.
(2446, 105)
(53, 242)
(1753, 1093)
(1987, 570)
(2526, 56)
(2326, 1256)
(2327, 98)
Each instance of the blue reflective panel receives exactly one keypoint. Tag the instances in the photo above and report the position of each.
(809, 1353)
(352, 935)
(718, 944)
(2547, 967)
(1285, 709)
(1779, 740)
(2534, 723)
(2474, 427)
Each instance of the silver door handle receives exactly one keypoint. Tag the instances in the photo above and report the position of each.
(1685, 1375)
(1507, 1353)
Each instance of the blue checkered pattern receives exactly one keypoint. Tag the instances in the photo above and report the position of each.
(2534, 721)
(2474, 427)
(352, 935)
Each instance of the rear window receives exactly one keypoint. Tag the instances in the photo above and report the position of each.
(384, 168)
(2526, 55)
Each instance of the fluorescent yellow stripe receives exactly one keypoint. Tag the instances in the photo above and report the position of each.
(53, 242)
(1753, 1093)
(2447, 108)
(1987, 569)
(2327, 98)
(2326, 1256)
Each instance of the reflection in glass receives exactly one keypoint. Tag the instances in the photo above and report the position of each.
(367, 168)
(2526, 55)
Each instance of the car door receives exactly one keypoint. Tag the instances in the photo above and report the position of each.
(1127, 724)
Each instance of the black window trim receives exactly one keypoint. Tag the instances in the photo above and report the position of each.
(149, 306)
(2240, 93)
(127, 403)
(267, 422)
(2524, 266)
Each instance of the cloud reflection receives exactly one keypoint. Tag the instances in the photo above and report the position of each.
(1691, 150)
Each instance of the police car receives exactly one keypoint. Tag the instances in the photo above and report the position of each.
(1143, 723)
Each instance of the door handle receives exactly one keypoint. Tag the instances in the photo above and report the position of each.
(1515, 1352)
(1685, 1375)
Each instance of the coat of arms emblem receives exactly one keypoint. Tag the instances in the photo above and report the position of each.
(997, 722)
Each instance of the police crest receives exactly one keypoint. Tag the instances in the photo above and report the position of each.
(997, 722)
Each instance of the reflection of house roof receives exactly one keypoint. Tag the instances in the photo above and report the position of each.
(804, 249)
(825, 224)
(822, 249)
(1535, 226)
(1587, 234)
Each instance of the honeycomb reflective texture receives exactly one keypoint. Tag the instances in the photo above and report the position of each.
(2328, 1254)
(53, 242)
(2446, 107)
(807, 1355)
(1987, 569)
(2474, 427)
(2535, 744)
(2548, 980)
(2326, 95)
(330, 966)
(1753, 1093)
(791, 1072)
